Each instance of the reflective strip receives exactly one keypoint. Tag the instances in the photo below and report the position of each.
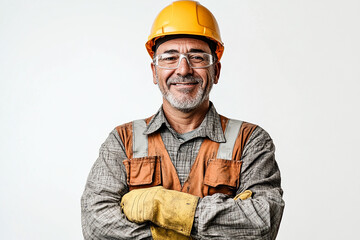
(140, 140)
(231, 132)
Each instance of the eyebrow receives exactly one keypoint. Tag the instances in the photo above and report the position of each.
(192, 50)
(196, 50)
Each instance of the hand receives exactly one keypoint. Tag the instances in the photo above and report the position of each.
(166, 208)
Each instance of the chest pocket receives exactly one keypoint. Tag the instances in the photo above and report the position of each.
(143, 172)
(222, 174)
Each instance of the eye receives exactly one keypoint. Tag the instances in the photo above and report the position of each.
(168, 57)
(196, 57)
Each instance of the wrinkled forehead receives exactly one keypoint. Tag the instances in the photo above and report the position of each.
(177, 40)
(183, 45)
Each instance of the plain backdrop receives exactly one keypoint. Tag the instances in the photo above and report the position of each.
(71, 71)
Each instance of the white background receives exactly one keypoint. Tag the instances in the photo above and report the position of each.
(70, 71)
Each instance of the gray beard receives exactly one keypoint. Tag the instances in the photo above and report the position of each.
(186, 103)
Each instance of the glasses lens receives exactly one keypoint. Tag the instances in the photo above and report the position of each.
(200, 60)
(168, 60)
(196, 60)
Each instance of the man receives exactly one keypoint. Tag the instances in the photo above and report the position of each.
(186, 171)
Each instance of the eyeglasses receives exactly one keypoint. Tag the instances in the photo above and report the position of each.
(195, 60)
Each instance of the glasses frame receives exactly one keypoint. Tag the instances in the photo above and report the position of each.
(184, 55)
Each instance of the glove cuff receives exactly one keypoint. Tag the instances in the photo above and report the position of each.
(176, 210)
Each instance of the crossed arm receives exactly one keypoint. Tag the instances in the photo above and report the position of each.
(216, 216)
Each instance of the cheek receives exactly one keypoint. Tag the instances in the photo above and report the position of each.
(210, 76)
(164, 75)
(206, 77)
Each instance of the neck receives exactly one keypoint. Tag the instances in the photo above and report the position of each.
(183, 122)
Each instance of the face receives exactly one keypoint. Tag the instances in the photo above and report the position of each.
(185, 88)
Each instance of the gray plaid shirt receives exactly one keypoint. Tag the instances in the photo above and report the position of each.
(217, 216)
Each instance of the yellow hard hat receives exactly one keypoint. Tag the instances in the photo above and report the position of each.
(185, 17)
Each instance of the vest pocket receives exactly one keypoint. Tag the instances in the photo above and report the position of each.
(222, 176)
(143, 172)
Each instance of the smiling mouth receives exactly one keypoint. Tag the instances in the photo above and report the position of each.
(186, 83)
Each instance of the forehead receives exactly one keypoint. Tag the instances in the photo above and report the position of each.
(183, 45)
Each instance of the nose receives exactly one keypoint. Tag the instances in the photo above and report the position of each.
(184, 68)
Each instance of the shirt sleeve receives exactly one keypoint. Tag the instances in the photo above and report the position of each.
(220, 217)
(101, 213)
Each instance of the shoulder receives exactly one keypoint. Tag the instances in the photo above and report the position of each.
(255, 132)
(124, 130)
(253, 136)
(259, 139)
(117, 135)
(259, 133)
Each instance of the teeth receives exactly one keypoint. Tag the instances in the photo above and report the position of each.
(185, 83)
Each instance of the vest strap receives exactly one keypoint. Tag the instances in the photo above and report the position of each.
(231, 132)
(140, 140)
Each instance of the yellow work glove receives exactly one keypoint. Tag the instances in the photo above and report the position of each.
(244, 195)
(159, 233)
(166, 208)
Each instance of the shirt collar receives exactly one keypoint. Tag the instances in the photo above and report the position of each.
(210, 127)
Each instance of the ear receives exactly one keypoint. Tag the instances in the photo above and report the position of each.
(217, 72)
(153, 69)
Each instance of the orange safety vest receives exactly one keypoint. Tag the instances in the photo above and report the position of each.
(216, 168)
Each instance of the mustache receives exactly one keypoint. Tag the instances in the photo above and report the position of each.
(186, 79)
